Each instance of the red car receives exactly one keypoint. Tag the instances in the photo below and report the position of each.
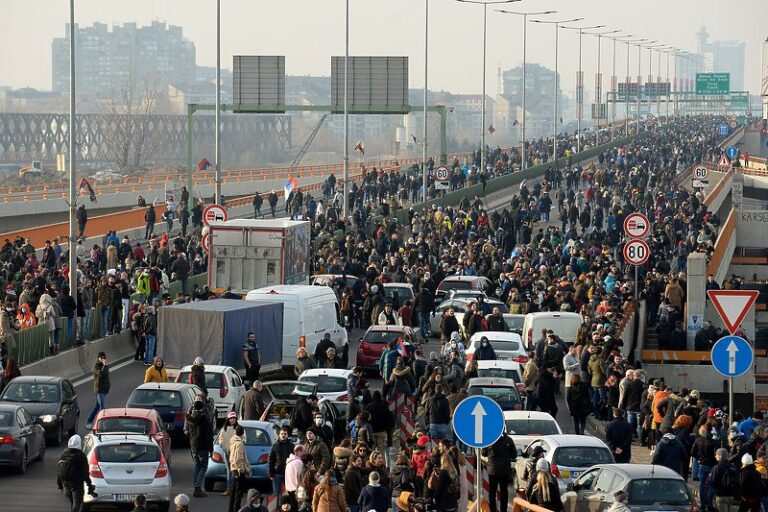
(375, 340)
(134, 420)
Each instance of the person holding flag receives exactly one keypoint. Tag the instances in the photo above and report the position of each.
(87, 189)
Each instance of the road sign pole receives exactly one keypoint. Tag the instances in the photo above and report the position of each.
(730, 400)
(478, 480)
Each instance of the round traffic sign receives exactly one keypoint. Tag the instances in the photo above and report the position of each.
(734, 124)
(700, 172)
(478, 421)
(205, 242)
(636, 225)
(732, 152)
(441, 173)
(636, 252)
(214, 213)
(732, 356)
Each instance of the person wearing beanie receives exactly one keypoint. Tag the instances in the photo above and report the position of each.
(750, 485)
(73, 473)
(254, 502)
(182, 503)
(724, 482)
(374, 495)
(197, 374)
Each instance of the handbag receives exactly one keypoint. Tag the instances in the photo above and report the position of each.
(432, 481)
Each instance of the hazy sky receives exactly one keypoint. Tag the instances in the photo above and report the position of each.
(308, 32)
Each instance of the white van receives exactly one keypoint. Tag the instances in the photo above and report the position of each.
(308, 313)
(564, 324)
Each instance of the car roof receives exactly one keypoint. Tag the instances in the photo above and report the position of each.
(264, 425)
(43, 379)
(209, 368)
(335, 276)
(491, 381)
(642, 470)
(497, 335)
(332, 372)
(509, 315)
(398, 285)
(526, 415)
(396, 328)
(127, 412)
(574, 440)
(471, 300)
(502, 364)
(170, 386)
(555, 314)
(465, 278)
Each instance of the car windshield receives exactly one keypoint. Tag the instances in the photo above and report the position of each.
(515, 323)
(658, 491)
(507, 397)
(288, 390)
(382, 337)
(31, 392)
(151, 398)
(403, 293)
(125, 453)
(212, 380)
(138, 425)
(447, 286)
(6, 419)
(326, 383)
(257, 437)
(581, 456)
(526, 427)
(499, 373)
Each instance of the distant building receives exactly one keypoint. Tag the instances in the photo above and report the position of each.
(107, 59)
(722, 56)
(538, 100)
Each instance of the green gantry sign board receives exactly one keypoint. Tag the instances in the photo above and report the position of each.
(713, 83)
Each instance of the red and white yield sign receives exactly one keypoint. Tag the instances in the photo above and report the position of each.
(636, 225)
(214, 213)
(636, 252)
(205, 242)
(732, 305)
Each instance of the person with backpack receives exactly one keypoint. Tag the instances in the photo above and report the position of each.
(73, 473)
(724, 482)
(447, 489)
(751, 488)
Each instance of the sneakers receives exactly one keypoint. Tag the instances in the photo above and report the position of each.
(228, 492)
(199, 493)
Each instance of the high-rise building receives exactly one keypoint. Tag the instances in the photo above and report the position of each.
(108, 59)
(538, 100)
(722, 56)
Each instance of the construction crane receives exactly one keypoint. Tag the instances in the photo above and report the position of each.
(308, 142)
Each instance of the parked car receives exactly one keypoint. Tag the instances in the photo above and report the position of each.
(460, 306)
(284, 395)
(503, 391)
(649, 487)
(259, 438)
(52, 400)
(122, 466)
(503, 369)
(331, 383)
(570, 455)
(21, 438)
(375, 340)
(480, 283)
(331, 279)
(508, 346)
(135, 421)
(171, 400)
(224, 385)
(404, 293)
(524, 427)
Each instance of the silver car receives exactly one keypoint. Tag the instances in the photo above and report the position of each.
(650, 488)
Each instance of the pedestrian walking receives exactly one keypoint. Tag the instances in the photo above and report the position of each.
(618, 436)
(374, 496)
(198, 426)
(150, 217)
(156, 372)
(277, 463)
(251, 359)
(149, 328)
(73, 474)
(328, 495)
(101, 386)
(579, 404)
(499, 458)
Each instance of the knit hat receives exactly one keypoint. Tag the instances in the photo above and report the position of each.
(542, 465)
(199, 361)
(373, 478)
(422, 441)
(182, 500)
(746, 459)
(75, 442)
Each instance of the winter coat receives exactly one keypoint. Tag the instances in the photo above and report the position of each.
(578, 398)
(79, 465)
(197, 377)
(278, 457)
(750, 485)
(329, 499)
(669, 453)
(554, 503)
(374, 497)
(444, 499)
(597, 370)
(618, 435)
(402, 381)
(704, 448)
(253, 405)
(321, 456)
(500, 455)
(200, 429)
(101, 382)
(154, 375)
(354, 481)
(238, 457)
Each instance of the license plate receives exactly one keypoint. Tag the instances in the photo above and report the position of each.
(570, 474)
(125, 498)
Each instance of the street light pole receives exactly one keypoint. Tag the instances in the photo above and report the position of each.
(525, 43)
(217, 116)
(485, 39)
(345, 206)
(72, 262)
(626, 87)
(614, 82)
(426, 75)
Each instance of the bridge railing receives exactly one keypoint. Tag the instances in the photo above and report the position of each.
(724, 246)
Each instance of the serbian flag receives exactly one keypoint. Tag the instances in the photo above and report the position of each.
(401, 347)
(360, 147)
(87, 190)
(290, 185)
(491, 129)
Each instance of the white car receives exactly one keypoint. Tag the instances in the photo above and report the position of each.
(503, 370)
(404, 292)
(524, 427)
(508, 346)
(569, 455)
(122, 466)
(331, 382)
(225, 387)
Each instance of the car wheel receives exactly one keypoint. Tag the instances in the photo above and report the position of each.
(41, 452)
(22, 467)
(209, 484)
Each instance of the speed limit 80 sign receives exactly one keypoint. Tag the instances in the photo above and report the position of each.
(636, 252)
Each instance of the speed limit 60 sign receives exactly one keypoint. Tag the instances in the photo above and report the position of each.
(700, 172)
(441, 178)
(636, 252)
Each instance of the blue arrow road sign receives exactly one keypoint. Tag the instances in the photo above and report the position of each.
(732, 152)
(732, 356)
(478, 421)
(723, 129)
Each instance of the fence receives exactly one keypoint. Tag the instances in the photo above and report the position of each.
(199, 280)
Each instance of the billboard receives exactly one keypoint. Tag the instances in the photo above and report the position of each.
(259, 82)
(377, 85)
(713, 83)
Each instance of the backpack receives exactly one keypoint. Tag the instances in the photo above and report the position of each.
(454, 488)
(729, 485)
(67, 472)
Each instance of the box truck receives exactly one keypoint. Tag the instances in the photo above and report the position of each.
(246, 254)
(216, 331)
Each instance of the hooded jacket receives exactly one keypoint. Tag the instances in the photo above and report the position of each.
(374, 497)
(238, 457)
(293, 468)
(669, 453)
(79, 462)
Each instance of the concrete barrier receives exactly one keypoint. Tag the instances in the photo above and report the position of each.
(77, 362)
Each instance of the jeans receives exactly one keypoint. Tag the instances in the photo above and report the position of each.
(199, 467)
(704, 490)
(634, 419)
(424, 325)
(101, 403)
(278, 482)
(499, 482)
(185, 287)
(149, 350)
(126, 311)
(596, 399)
(71, 330)
(272, 211)
(149, 230)
(440, 431)
(75, 496)
(87, 325)
(236, 498)
(105, 320)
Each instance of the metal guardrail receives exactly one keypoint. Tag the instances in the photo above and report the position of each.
(721, 244)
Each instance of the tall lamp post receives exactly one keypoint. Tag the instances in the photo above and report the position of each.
(640, 81)
(216, 117)
(72, 158)
(525, 43)
(650, 49)
(626, 87)
(485, 5)
(555, 80)
(599, 79)
(614, 83)
(344, 205)
(580, 86)
(426, 76)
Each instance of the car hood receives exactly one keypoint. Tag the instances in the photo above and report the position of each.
(37, 409)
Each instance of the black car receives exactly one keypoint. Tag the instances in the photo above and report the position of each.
(52, 401)
(171, 400)
(21, 438)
